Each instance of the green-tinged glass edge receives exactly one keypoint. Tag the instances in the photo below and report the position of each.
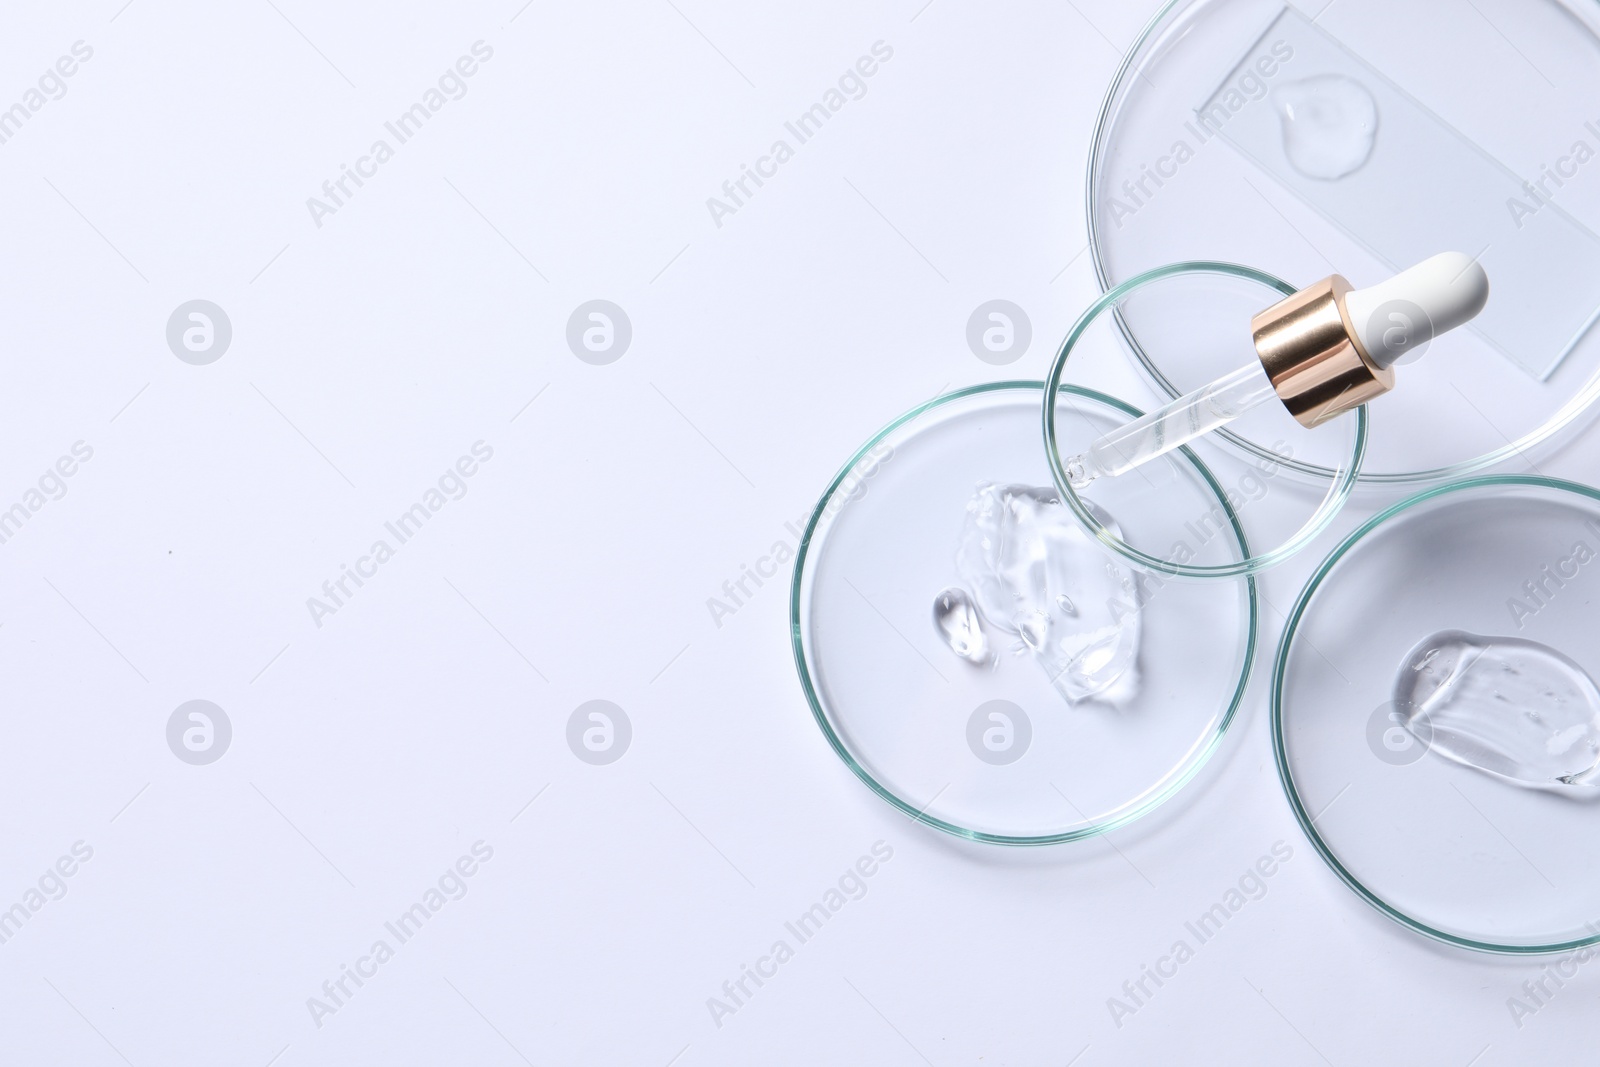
(797, 638)
(1280, 746)
(1580, 401)
(1344, 478)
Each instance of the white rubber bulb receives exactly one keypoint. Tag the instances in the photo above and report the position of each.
(1401, 315)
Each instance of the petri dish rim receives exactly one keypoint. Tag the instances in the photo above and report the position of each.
(1581, 400)
(1201, 754)
(1280, 750)
(1338, 493)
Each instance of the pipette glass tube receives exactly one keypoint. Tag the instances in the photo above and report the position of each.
(1180, 422)
(1323, 351)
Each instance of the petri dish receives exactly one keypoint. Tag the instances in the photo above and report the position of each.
(994, 752)
(1340, 138)
(1205, 310)
(1433, 682)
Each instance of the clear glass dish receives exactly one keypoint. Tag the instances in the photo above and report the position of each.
(1347, 141)
(1204, 310)
(917, 723)
(1486, 854)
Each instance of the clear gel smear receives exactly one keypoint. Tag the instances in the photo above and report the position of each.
(957, 618)
(1516, 709)
(1036, 575)
(1329, 125)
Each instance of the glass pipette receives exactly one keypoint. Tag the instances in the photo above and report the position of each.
(1323, 351)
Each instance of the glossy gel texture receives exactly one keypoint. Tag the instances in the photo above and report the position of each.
(956, 616)
(1330, 123)
(1516, 709)
(1035, 574)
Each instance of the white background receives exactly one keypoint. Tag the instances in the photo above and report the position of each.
(369, 753)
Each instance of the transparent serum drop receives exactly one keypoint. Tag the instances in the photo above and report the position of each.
(956, 616)
(1036, 575)
(1516, 709)
(1329, 125)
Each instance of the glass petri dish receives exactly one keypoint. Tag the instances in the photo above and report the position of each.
(1471, 572)
(1346, 141)
(994, 753)
(1205, 309)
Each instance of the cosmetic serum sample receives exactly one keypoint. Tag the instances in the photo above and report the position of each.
(956, 616)
(1420, 185)
(1036, 575)
(1330, 123)
(1517, 709)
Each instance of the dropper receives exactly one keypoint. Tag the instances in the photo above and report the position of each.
(1323, 351)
